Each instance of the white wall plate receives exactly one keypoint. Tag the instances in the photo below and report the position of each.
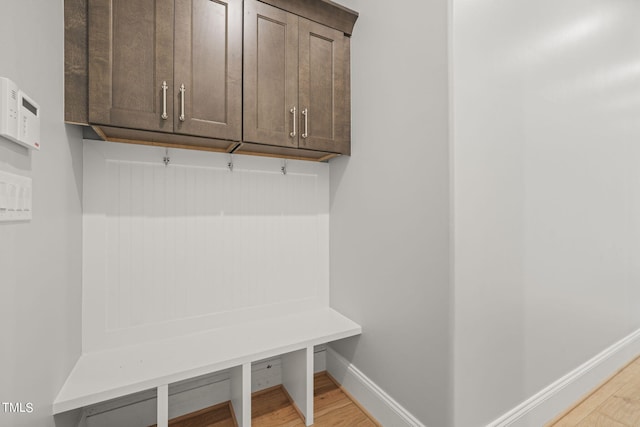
(15, 197)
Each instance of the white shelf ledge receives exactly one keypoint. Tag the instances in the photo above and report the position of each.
(113, 373)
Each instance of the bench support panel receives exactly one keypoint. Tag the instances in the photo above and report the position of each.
(163, 405)
(241, 394)
(297, 379)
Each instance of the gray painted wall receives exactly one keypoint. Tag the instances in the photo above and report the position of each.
(40, 261)
(547, 200)
(390, 206)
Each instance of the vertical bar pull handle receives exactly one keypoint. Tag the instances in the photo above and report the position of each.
(164, 100)
(182, 91)
(305, 113)
(293, 111)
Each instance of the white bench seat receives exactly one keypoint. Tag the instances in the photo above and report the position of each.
(114, 373)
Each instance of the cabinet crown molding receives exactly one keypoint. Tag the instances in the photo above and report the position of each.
(325, 12)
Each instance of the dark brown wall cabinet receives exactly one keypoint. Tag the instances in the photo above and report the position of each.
(295, 81)
(170, 72)
(171, 66)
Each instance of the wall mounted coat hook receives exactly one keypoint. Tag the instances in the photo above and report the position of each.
(283, 168)
(230, 164)
(166, 159)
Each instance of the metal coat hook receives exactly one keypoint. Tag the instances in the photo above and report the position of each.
(230, 164)
(283, 168)
(166, 159)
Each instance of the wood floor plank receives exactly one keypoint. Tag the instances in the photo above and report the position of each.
(634, 368)
(273, 408)
(330, 403)
(624, 405)
(344, 416)
(591, 403)
(354, 400)
(332, 408)
(322, 383)
(215, 416)
(596, 419)
(328, 400)
(615, 403)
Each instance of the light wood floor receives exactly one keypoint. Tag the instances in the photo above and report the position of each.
(616, 403)
(273, 408)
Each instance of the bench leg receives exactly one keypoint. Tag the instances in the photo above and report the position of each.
(297, 378)
(241, 394)
(163, 406)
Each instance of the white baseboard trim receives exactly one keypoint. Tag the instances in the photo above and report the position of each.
(379, 404)
(561, 394)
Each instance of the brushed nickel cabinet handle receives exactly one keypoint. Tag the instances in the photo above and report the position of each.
(305, 113)
(182, 91)
(293, 111)
(164, 101)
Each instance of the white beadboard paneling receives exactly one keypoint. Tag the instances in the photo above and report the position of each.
(266, 373)
(190, 246)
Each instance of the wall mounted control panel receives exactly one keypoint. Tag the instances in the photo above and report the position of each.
(19, 115)
(15, 197)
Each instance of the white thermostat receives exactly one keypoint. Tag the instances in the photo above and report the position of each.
(19, 115)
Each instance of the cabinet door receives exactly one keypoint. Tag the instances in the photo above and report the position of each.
(270, 75)
(208, 62)
(130, 56)
(323, 88)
